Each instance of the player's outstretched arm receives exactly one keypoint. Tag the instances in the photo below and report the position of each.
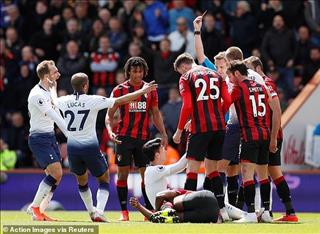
(108, 122)
(178, 166)
(197, 24)
(134, 202)
(147, 88)
(158, 123)
(274, 104)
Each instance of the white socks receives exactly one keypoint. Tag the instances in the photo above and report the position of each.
(86, 197)
(102, 199)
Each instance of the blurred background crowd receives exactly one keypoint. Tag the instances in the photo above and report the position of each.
(97, 37)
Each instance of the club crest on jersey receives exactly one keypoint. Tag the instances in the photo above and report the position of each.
(137, 106)
(119, 157)
(40, 101)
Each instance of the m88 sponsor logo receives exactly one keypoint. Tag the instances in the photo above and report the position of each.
(137, 106)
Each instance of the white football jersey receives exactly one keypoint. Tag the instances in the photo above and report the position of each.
(252, 75)
(155, 178)
(39, 102)
(80, 114)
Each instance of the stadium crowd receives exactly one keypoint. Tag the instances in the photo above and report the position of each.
(97, 37)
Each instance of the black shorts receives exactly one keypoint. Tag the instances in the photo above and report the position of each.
(200, 207)
(130, 148)
(231, 144)
(205, 145)
(275, 158)
(255, 152)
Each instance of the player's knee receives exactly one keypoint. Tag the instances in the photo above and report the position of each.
(57, 175)
(104, 178)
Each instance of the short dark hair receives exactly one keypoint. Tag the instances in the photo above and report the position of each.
(151, 148)
(135, 62)
(238, 66)
(234, 53)
(184, 58)
(78, 80)
(43, 68)
(254, 61)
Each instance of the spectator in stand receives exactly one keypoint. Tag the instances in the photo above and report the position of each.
(113, 6)
(46, 43)
(120, 77)
(136, 19)
(13, 43)
(81, 11)
(278, 48)
(56, 7)
(104, 15)
(60, 22)
(126, 14)
(180, 10)
(243, 28)
(16, 137)
(171, 111)
(156, 17)
(312, 16)
(7, 59)
(92, 40)
(182, 36)
(163, 72)
(138, 35)
(211, 38)
(29, 58)
(38, 15)
(8, 158)
(117, 37)
(70, 63)
(297, 83)
(16, 20)
(304, 45)
(103, 64)
(269, 10)
(24, 83)
(312, 67)
(72, 33)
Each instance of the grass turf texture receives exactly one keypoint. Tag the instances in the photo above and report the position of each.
(309, 223)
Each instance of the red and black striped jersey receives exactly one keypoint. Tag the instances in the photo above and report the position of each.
(202, 91)
(252, 107)
(104, 78)
(274, 93)
(134, 116)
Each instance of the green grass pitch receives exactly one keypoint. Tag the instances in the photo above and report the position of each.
(309, 223)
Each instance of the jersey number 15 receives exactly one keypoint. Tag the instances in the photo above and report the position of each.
(261, 104)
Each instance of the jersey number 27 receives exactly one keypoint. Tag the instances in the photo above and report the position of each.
(85, 114)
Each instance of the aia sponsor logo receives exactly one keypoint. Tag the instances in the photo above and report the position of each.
(137, 106)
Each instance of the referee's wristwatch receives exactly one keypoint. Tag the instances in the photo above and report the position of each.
(196, 32)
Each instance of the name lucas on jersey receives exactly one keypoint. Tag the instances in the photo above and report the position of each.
(76, 104)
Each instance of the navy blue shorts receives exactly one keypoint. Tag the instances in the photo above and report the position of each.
(83, 158)
(44, 146)
(231, 144)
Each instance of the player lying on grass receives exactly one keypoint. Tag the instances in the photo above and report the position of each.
(156, 175)
(80, 112)
(181, 206)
